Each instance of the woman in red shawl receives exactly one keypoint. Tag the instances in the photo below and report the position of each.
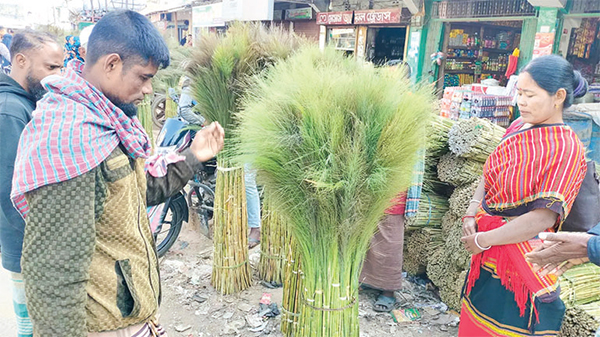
(529, 184)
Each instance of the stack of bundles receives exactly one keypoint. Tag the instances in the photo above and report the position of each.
(445, 276)
(449, 221)
(432, 208)
(461, 198)
(474, 138)
(419, 246)
(458, 171)
(580, 291)
(437, 145)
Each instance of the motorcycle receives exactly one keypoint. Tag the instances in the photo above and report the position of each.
(166, 220)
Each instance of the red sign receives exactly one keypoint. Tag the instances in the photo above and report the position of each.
(378, 16)
(334, 18)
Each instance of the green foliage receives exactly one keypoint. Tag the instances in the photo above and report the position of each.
(334, 140)
(170, 76)
(222, 66)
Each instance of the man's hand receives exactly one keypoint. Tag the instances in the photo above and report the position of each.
(208, 142)
(559, 252)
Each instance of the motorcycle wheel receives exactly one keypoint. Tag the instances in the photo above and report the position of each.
(158, 110)
(170, 226)
(201, 202)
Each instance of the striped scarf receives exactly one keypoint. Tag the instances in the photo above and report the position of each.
(74, 129)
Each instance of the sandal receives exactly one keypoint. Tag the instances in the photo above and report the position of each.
(384, 304)
(252, 242)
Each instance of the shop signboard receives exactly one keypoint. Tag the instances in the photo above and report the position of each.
(299, 14)
(378, 16)
(208, 16)
(248, 10)
(334, 18)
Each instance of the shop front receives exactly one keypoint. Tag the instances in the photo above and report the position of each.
(479, 38)
(386, 31)
(338, 30)
(579, 42)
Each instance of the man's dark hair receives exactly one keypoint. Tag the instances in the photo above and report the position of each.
(26, 40)
(129, 34)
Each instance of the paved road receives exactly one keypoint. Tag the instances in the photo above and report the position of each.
(8, 323)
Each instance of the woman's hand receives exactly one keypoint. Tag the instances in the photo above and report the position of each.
(470, 245)
(469, 226)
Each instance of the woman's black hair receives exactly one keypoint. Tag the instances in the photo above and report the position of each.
(552, 72)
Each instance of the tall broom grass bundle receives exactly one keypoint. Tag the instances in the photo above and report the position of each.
(221, 68)
(170, 77)
(333, 140)
(145, 116)
(432, 208)
(292, 289)
(274, 236)
(474, 138)
(458, 171)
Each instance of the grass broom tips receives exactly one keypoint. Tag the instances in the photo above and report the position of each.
(333, 142)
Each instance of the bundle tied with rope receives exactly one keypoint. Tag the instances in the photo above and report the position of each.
(580, 291)
(432, 208)
(419, 247)
(274, 238)
(474, 138)
(458, 171)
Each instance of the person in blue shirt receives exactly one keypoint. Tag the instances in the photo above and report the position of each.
(560, 251)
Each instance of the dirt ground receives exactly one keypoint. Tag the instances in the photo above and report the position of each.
(192, 308)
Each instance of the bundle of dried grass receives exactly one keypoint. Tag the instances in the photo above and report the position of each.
(456, 253)
(420, 245)
(461, 198)
(458, 171)
(474, 138)
(449, 221)
(582, 320)
(580, 285)
(292, 285)
(432, 208)
(274, 237)
(412, 260)
(437, 139)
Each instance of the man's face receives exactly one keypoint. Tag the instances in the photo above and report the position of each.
(126, 89)
(42, 62)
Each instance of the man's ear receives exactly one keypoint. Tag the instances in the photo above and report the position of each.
(112, 64)
(20, 60)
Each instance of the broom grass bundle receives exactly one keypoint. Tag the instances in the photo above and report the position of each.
(474, 138)
(455, 250)
(145, 117)
(170, 76)
(458, 171)
(437, 138)
(419, 247)
(333, 141)
(292, 287)
(221, 68)
(461, 198)
(231, 269)
(274, 237)
(580, 285)
(432, 208)
(450, 221)
(431, 182)
(582, 320)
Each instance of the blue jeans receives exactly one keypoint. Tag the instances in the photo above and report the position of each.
(252, 198)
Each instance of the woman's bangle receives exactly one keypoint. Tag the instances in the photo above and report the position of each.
(477, 243)
(475, 201)
(467, 217)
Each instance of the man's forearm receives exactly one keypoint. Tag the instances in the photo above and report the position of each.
(178, 175)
